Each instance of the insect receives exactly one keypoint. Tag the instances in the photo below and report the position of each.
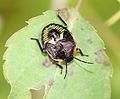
(59, 45)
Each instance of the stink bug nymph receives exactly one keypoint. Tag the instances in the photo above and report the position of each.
(58, 44)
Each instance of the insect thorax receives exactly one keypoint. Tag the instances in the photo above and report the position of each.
(53, 33)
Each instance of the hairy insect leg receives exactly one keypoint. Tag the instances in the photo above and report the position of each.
(38, 44)
(82, 54)
(61, 19)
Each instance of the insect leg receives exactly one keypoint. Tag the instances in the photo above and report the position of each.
(61, 19)
(65, 70)
(38, 44)
(60, 67)
(82, 54)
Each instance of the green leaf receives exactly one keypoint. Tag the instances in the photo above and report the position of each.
(27, 68)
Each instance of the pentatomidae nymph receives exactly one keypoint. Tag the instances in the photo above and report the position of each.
(58, 44)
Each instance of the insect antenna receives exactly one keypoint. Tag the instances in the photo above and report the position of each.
(84, 62)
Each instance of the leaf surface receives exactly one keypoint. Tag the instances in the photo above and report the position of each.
(27, 68)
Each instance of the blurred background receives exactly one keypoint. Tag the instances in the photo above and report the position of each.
(104, 15)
